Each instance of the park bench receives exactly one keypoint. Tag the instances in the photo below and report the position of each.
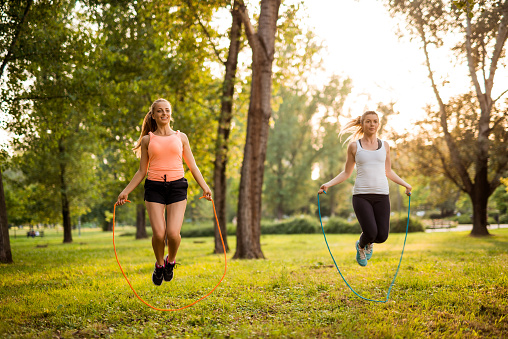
(33, 234)
(442, 223)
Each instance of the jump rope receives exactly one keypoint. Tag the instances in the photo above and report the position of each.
(396, 272)
(181, 308)
(225, 261)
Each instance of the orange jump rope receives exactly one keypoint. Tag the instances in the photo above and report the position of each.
(181, 308)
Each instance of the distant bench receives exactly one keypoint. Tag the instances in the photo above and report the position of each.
(34, 234)
(442, 223)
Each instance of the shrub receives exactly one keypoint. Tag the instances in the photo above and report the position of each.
(464, 219)
(295, 225)
(503, 219)
(398, 224)
(208, 231)
(340, 226)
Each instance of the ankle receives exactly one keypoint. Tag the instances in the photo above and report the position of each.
(166, 260)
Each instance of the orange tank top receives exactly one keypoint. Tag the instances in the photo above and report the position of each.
(165, 157)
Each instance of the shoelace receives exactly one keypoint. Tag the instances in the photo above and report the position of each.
(174, 265)
(362, 252)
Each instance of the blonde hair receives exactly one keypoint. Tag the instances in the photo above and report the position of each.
(149, 125)
(355, 127)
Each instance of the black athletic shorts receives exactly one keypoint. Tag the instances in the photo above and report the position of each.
(164, 192)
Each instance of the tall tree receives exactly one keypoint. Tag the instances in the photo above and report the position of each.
(144, 59)
(304, 133)
(262, 43)
(51, 119)
(477, 169)
(224, 128)
(13, 19)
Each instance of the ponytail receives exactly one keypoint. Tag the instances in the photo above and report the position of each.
(149, 125)
(355, 127)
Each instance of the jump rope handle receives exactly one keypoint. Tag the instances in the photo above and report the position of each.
(125, 201)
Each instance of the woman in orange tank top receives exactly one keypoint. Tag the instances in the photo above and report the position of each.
(161, 150)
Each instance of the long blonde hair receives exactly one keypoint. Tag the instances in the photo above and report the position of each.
(149, 125)
(355, 127)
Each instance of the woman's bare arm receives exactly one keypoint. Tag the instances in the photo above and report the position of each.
(346, 173)
(140, 174)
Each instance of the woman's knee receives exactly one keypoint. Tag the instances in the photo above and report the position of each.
(369, 236)
(381, 237)
(158, 235)
(174, 235)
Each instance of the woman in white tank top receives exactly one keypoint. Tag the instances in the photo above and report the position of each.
(370, 193)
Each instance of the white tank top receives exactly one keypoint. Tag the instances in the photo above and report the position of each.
(370, 171)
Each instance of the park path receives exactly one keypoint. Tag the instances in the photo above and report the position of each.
(463, 227)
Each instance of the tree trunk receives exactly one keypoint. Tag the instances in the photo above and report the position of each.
(262, 43)
(66, 215)
(226, 114)
(5, 244)
(66, 212)
(141, 222)
(280, 196)
(480, 198)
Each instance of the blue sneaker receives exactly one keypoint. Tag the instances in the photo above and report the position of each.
(368, 251)
(360, 255)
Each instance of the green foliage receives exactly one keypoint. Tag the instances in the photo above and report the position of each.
(52, 119)
(294, 225)
(463, 219)
(94, 69)
(503, 219)
(500, 199)
(342, 226)
(305, 119)
(469, 153)
(398, 224)
(465, 5)
(204, 230)
(293, 147)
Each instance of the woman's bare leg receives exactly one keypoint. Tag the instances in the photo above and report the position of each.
(175, 213)
(157, 220)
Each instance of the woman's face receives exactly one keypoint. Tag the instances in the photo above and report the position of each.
(162, 113)
(370, 124)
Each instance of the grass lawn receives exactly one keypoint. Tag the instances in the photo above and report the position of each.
(449, 285)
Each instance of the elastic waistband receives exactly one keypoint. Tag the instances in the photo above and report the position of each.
(166, 175)
(164, 181)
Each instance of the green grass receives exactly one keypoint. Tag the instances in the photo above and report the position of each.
(449, 285)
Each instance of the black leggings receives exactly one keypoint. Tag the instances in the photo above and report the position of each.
(373, 214)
